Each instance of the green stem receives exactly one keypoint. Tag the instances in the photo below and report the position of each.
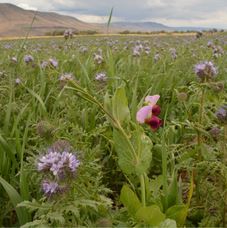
(164, 172)
(85, 95)
(200, 121)
(143, 190)
(225, 159)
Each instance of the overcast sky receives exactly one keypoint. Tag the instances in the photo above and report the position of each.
(208, 13)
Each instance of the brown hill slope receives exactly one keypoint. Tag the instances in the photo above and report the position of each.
(15, 21)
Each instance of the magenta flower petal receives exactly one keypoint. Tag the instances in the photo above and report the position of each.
(152, 100)
(143, 113)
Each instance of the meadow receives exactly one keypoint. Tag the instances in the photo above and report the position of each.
(111, 131)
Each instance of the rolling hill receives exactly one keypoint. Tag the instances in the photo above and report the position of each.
(15, 21)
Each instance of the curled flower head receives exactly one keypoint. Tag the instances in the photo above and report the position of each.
(28, 59)
(146, 111)
(68, 33)
(222, 113)
(101, 77)
(98, 58)
(50, 187)
(205, 70)
(17, 81)
(53, 62)
(58, 164)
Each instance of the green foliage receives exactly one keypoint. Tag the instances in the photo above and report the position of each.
(15, 199)
(174, 176)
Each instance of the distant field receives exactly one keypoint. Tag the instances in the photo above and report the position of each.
(101, 35)
(113, 131)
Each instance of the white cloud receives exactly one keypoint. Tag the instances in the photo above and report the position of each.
(26, 6)
(171, 12)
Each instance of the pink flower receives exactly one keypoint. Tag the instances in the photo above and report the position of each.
(146, 111)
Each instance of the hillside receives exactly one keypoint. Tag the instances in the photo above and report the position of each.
(16, 21)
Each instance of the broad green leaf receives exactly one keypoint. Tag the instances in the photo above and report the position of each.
(120, 105)
(173, 192)
(108, 107)
(140, 145)
(126, 159)
(129, 200)
(150, 215)
(15, 199)
(178, 213)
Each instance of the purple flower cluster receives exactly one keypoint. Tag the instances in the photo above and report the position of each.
(60, 166)
(28, 59)
(58, 163)
(205, 70)
(51, 63)
(222, 114)
(68, 33)
(50, 187)
(101, 77)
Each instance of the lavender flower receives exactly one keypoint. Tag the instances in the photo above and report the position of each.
(205, 70)
(64, 78)
(59, 164)
(28, 59)
(98, 58)
(215, 132)
(68, 33)
(49, 187)
(53, 62)
(17, 81)
(44, 64)
(156, 57)
(173, 53)
(101, 76)
(222, 113)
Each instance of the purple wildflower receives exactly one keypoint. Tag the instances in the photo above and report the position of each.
(44, 64)
(49, 187)
(222, 113)
(101, 76)
(98, 58)
(156, 57)
(59, 164)
(28, 59)
(53, 62)
(205, 70)
(68, 33)
(17, 81)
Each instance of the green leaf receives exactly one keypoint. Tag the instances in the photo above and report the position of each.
(34, 205)
(140, 145)
(108, 106)
(15, 199)
(109, 20)
(35, 223)
(57, 217)
(173, 192)
(120, 105)
(150, 215)
(130, 200)
(178, 213)
(126, 159)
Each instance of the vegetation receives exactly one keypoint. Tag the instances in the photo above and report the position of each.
(113, 132)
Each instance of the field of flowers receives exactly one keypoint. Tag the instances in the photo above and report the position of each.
(114, 132)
